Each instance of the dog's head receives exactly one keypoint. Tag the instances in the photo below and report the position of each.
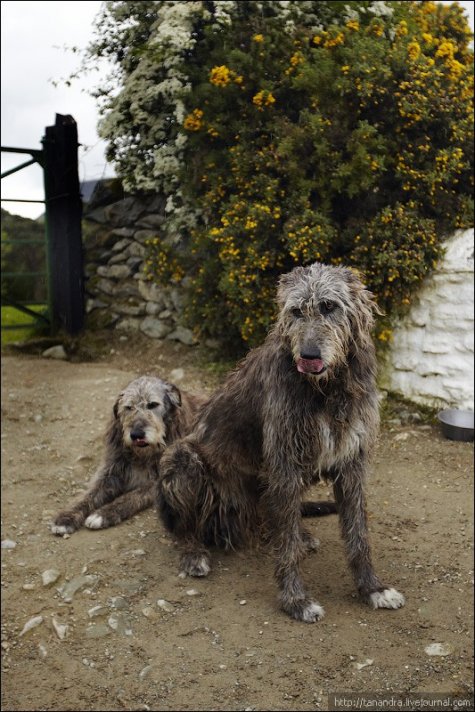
(142, 415)
(326, 316)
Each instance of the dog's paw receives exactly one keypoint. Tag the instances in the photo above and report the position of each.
(65, 523)
(194, 565)
(95, 521)
(306, 610)
(312, 612)
(310, 542)
(387, 598)
(62, 529)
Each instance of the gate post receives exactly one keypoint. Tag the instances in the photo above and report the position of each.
(63, 224)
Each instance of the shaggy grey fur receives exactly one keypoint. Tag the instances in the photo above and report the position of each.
(300, 408)
(147, 415)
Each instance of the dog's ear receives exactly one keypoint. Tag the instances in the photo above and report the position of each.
(115, 409)
(361, 310)
(113, 437)
(287, 282)
(360, 294)
(173, 394)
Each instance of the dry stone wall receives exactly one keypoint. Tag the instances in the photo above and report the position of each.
(118, 293)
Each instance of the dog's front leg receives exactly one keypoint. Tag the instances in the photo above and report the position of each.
(104, 488)
(122, 507)
(282, 507)
(349, 494)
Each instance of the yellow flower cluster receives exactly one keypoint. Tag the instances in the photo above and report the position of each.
(302, 243)
(263, 98)
(296, 59)
(413, 50)
(161, 265)
(377, 29)
(353, 25)
(329, 39)
(446, 51)
(385, 335)
(402, 29)
(193, 122)
(258, 38)
(222, 76)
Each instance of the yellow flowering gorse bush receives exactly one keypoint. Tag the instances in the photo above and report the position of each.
(341, 134)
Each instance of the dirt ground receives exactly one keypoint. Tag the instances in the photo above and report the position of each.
(219, 643)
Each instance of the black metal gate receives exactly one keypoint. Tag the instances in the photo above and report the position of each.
(63, 269)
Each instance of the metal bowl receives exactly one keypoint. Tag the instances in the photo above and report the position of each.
(457, 424)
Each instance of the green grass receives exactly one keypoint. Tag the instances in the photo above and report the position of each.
(12, 316)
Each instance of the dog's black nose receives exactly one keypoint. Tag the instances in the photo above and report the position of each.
(310, 353)
(137, 434)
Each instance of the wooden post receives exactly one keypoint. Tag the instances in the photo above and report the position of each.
(63, 224)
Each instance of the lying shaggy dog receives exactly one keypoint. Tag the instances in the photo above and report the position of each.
(148, 415)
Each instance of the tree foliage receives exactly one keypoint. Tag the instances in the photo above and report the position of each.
(20, 255)
(288, 132)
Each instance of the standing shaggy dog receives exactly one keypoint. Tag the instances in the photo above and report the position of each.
(148, 415)
(300, 408)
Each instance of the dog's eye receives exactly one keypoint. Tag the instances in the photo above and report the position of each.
(297, 313)
(152, 405)
(127, 407)
(327, 307)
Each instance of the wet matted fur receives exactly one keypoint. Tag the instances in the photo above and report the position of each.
(300, 408)
(148, 415)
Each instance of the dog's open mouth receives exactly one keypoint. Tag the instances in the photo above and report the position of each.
(310, 365)
(140, 442)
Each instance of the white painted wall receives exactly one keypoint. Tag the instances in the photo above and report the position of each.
(432, 355)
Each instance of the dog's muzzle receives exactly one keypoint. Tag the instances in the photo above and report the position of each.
(138, 438)
(310, 362)
(311, 366)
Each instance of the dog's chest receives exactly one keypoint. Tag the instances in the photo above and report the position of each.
(334, 442)
(138, 476)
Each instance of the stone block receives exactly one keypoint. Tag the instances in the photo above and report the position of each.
(182, 334)
(106, 286)
(129, 324)
(151, 222)
(151, 291)
(120, 244)
(114, 271)
(130, 309)
(155, 328)
(124, 212)
(143, 235)
(153, 308)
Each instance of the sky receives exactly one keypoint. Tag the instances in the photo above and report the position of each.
(34, 37)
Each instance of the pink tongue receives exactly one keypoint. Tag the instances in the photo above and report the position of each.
(140, 442)
(309, 365)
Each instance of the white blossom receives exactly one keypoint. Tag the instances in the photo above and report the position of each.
(380, 8)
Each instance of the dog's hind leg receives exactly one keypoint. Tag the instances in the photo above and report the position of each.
(314, 509)
(185, 502)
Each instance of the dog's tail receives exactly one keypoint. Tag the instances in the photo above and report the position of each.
(318, 509)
